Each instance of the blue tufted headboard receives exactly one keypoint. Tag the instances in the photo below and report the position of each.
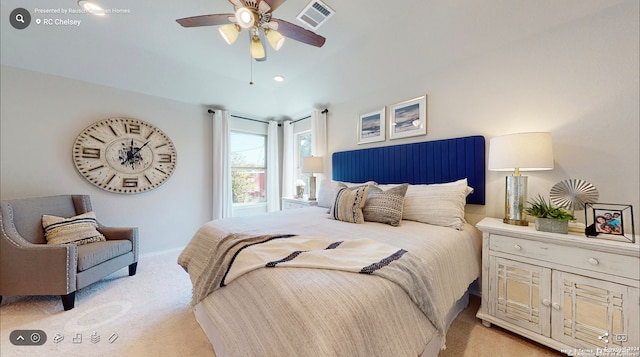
(427, 162)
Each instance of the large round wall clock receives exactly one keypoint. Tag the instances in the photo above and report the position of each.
(124, 155)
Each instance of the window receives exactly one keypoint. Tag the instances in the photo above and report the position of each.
(248, 168)
(302, 149)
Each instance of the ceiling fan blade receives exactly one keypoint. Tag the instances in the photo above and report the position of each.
(236, 3)
(263, 7)
(205, 20)
(274, 4)
(298, 33)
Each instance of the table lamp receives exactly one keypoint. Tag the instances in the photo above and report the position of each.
(311, 165)
(519, 152)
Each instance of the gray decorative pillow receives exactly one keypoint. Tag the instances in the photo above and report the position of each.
(385, 206)
(78, 230)
(327, 192)
(348, 204)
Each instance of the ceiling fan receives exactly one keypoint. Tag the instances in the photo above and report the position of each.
(255, 16)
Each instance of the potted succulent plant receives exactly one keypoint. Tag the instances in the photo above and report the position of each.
(548, 218)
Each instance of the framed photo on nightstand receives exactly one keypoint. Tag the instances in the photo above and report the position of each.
(610, 221)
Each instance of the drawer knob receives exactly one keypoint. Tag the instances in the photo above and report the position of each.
(517, 247)
(546, 302)
(593, 261)
(555, 306)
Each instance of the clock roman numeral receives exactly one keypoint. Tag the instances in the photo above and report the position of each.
(109, 180)
(94, 138)
(90, 153)
(96, 168)
(113, 131)
(164, 158)
(132, 128)
(130, 182)
(164, 173)
(148, 136)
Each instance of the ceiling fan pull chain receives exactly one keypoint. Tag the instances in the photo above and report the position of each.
(251, 66)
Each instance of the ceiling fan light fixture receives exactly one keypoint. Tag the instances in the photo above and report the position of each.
(245, 17)
(256, 48)
(275, 38)
(229, 33)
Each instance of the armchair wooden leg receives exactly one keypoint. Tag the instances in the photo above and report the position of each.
(132, 269)
(68, 301)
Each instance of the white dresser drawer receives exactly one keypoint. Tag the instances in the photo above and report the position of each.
(615, 264)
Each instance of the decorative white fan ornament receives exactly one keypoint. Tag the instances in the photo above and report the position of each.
(573, 194)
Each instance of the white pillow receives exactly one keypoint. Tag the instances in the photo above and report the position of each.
(438, 204)
(327, 191)
(355, 184)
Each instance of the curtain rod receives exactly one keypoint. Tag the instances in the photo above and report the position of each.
(325, 111)
(211, 111)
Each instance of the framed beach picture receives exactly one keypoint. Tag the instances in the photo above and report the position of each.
(408, 118)
(371, 127)
(610, 221)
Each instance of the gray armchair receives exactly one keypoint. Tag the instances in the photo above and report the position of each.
(30, 266)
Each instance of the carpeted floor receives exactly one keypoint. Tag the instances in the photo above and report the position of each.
(150, 314)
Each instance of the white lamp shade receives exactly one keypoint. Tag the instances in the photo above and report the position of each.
(312, 164)
(276, 40)
(256, 48)
(229, 33)
(523, 151)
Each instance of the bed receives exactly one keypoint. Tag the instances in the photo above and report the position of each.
(403, 306)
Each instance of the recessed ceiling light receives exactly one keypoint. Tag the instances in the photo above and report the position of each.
(278, 78)
(91, 7)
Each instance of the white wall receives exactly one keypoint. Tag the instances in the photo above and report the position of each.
(578, 81)
(41, 115)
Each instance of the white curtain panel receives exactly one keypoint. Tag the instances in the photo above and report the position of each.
(288, 159)
(273, 169)
(319, 136)
(222, 194)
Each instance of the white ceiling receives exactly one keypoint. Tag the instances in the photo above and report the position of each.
(370, 44)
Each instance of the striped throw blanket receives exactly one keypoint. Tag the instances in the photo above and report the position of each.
(218, 262)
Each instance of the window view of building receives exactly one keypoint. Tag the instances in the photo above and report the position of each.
(303, 148)
(248, 168)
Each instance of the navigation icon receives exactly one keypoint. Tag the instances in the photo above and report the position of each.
(58, 338)
(95, 338)
(77, 338)
(20, 19)
(28, 337)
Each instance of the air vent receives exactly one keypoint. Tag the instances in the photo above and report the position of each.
(315, 14)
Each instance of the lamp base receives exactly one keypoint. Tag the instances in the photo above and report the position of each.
(515, 222)
(515, 196)
(312, 188)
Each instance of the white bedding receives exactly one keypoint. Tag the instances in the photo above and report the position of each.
(299, 311)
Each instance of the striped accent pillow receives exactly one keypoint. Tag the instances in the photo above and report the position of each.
(78, 230)
(348, 204)
(385, 206)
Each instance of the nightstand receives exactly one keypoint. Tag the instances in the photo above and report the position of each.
(291, 203)
(566, 291)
